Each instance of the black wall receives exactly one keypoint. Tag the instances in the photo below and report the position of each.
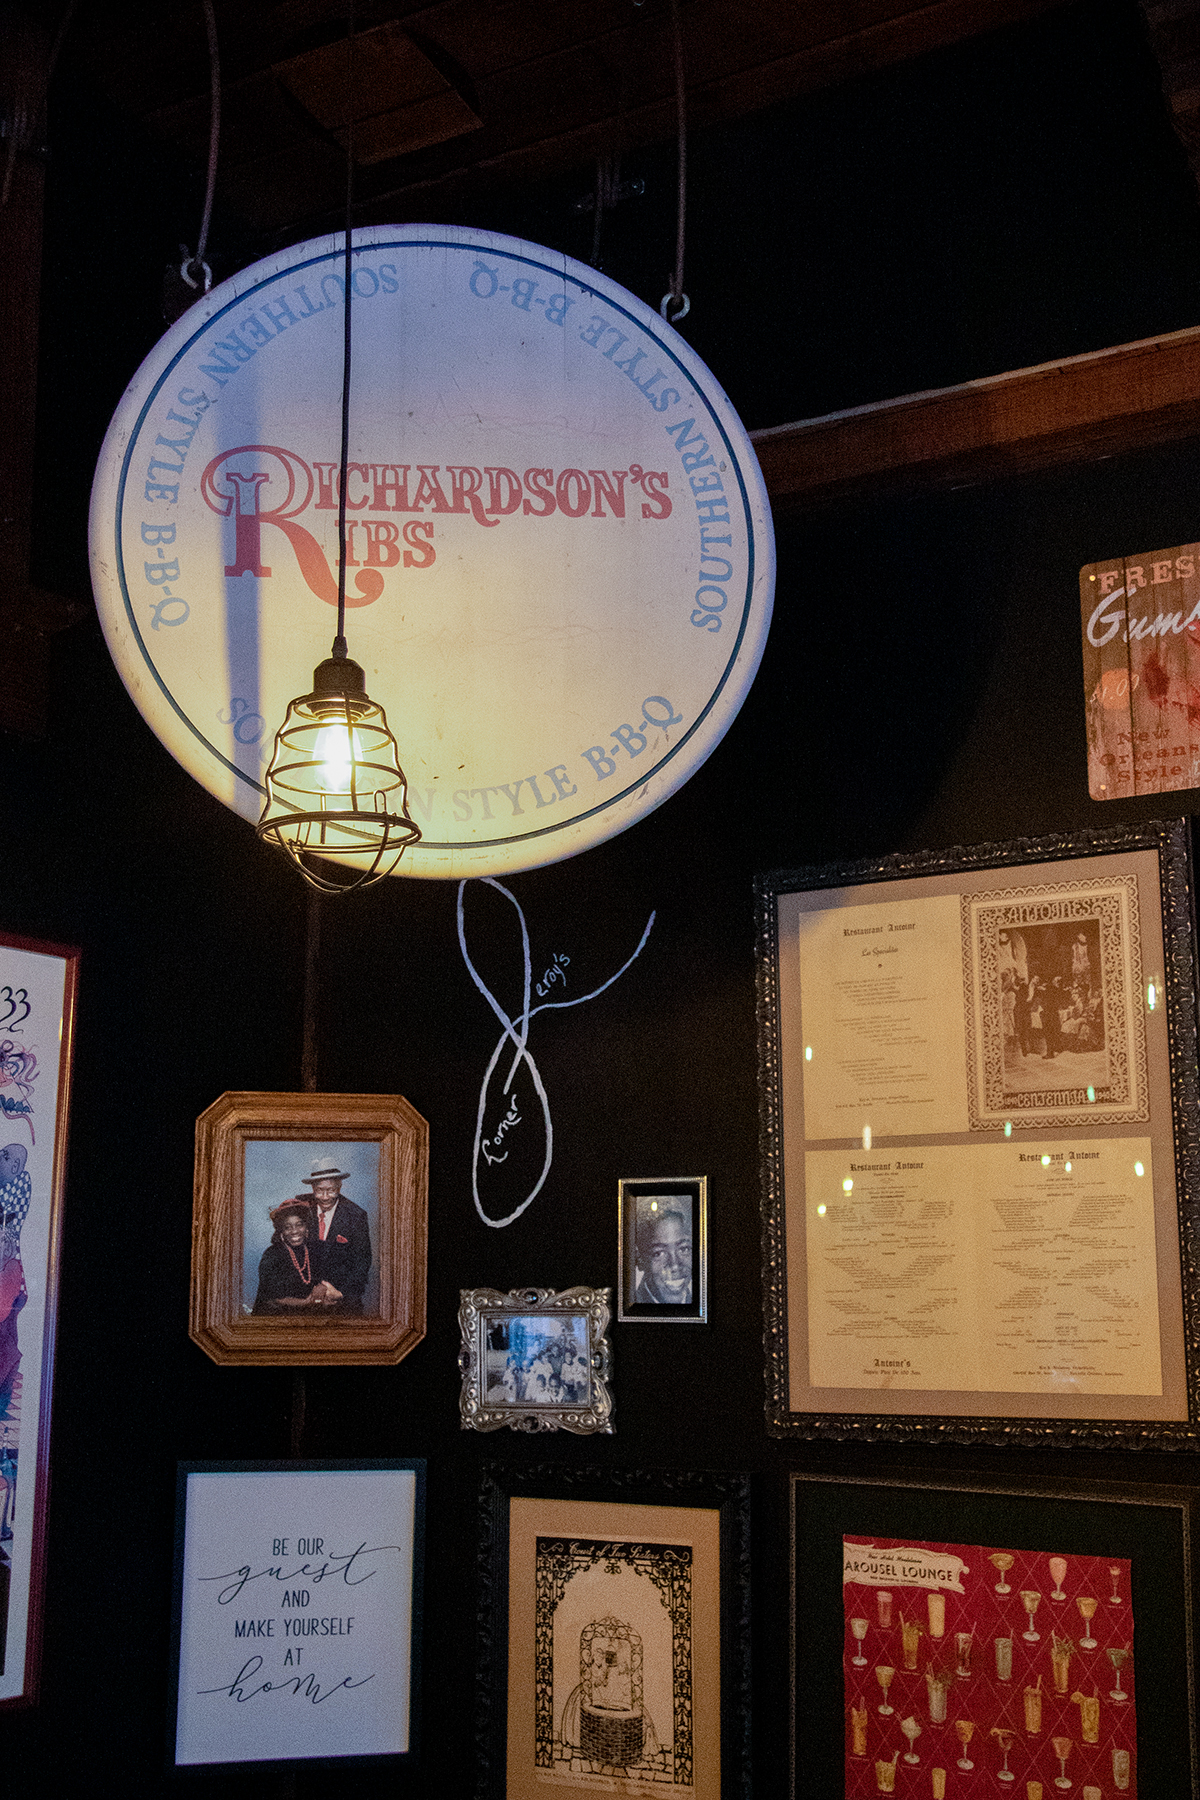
(921, 687)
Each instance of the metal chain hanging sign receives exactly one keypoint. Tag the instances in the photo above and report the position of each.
(560, 555)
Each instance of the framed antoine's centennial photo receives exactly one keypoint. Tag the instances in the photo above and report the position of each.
(614, 1634)
(37, 1044)
(662, 1235)
(296, 1625)
(309, 1228)
(976, 1635)
(535, 1359)
(978, 1080)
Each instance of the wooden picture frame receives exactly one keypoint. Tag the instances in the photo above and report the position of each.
(535, 1359)
(255, 1151)
(651, 1542)
(334, 1614)
(662, 1220)
(38, 989)
(1148, 1530)
(980, 1218)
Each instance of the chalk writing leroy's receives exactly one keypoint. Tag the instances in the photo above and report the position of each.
(546, 493)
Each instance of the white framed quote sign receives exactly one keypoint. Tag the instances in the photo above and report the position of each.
(560, 563)
(297, 1611)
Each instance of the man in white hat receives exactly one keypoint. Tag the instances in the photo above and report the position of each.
(342, 1252)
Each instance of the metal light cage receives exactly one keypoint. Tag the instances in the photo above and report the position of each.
(348, 810)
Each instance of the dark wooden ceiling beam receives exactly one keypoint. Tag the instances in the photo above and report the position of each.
(1079, 410)
(555, 85)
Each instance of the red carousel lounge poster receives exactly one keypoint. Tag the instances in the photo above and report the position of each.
(971, 1670)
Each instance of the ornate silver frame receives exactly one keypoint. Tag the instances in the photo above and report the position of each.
(484, 1310)
(1170, 841)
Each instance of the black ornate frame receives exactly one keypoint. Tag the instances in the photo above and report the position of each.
(1171, 840)
(1154, 1526)
(728, 1494)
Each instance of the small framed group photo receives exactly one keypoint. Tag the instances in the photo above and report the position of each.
(535, 1359)
(297, 1584)
(309, 1228)
(614, 1633)
(662, 1229)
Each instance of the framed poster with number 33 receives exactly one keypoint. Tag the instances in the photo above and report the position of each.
(37, 1013)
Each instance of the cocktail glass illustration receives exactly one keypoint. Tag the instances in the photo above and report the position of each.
(937, 1784)
(1060, 1662)
(1089, 1716)
(883, 1601)
(1120, 1762)
(912, 1732)
(1062, 1749)
(1033, 1790)
(1087, 1608)
(1114, 1570)
(1003, 1563)
(937, 1614)
(1003, 1659)
(962, 1648)
(938, 1684)
(1004, 1735)
(858, 1728)
(1033, 1708)
(1117, 1658)
(1058, 1569)
(910, 1638)
(1092, 1793)
(859, 1628)
(966, 1731)
(1029, 1600)
(885, 1775)
(884, 1678)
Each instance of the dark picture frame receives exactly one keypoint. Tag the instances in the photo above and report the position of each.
(628, 1511)
(655, 1215)
(1096, 1082)
(291, 1136)
(258, 1579)
(1153, 1527)
(39, 985)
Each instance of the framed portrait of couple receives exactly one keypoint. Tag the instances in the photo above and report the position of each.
(662, 1229)
(309, 1228)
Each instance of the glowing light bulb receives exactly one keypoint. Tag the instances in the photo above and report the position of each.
(821, 1210)
(847, 1185)
(1139, 1168)
(337, 750)
(1045, 1162)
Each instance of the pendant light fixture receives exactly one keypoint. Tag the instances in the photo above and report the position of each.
(337, 798)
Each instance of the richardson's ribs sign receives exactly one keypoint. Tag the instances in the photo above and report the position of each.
(559, 550)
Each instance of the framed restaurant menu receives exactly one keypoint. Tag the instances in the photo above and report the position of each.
(979, 1122)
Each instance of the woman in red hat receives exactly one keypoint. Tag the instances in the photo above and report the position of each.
(286, 1277)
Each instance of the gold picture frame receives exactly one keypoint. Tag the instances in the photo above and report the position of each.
(252, 1150)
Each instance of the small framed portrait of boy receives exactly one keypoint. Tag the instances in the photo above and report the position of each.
(662, 1224)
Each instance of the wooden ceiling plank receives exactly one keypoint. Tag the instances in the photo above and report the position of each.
(1078, 410)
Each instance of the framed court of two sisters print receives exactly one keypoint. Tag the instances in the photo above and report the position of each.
(980, 1116)
(309, 1229)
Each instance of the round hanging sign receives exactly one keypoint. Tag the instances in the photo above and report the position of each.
(560, 563)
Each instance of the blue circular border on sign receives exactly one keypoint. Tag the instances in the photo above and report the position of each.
(470, 844)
